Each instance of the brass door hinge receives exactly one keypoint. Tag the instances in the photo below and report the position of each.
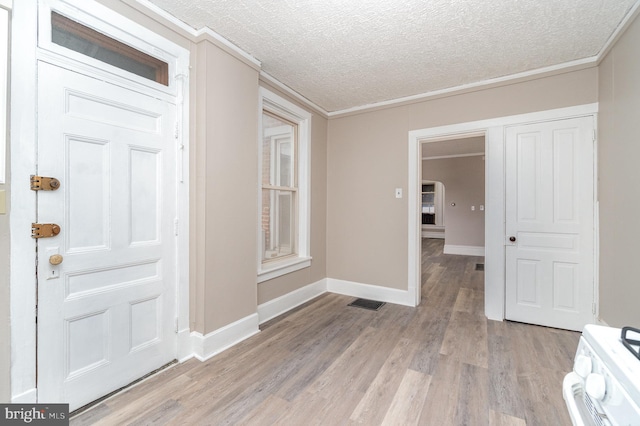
(43, 183)
(44, 230)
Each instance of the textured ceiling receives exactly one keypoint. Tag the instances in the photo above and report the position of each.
(342, 54)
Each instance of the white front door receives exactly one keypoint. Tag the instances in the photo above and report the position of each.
(106, 314)
(550, 223)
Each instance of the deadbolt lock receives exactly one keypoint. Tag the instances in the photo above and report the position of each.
(43, 183)
(44, 230)
(56, 259)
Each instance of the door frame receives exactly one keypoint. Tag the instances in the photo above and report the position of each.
(27, 51)
(495, 203)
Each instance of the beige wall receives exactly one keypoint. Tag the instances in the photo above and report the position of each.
(367, 157)
(269, 290)
(226, 179)
(463, 180)
(618, 186)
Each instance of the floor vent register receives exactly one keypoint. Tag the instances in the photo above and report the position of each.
(372, 305)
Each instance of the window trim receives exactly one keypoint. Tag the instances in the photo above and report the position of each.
(281, 107)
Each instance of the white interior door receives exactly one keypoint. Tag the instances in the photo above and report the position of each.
(550, 223)
(106, 314)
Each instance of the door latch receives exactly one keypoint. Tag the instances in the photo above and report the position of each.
(43, 183)
(44, 230)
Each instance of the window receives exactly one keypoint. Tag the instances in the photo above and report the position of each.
(432, 205)
(79, 38)
(284, 187)
(428, 204)
(279, 186)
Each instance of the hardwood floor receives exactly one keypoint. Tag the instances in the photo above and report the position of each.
(325, 363)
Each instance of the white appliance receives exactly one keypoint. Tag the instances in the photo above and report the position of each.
(604, 386)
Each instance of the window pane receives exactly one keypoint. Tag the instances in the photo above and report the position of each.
(77, 37)
(428, 205)
(428, 219)
(427, 198)
(278, 222)
(285, 165)
(278, 151)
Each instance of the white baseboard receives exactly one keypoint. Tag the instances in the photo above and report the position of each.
(464, 250)
(185, 345)
(372, 292)
(28, 397)
(204, 347)
(282, 304)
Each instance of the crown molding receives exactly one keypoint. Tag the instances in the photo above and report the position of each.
(472, 87)
(269, 79)
(207, 33)
(195, 35)
(624, 24)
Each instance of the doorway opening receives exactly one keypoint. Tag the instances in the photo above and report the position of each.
(493, 130)
(452, 221)
(457, 214)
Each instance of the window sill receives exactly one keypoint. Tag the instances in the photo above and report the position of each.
(433, 227)
(277, 269)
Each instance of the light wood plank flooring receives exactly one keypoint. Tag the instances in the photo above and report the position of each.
(325, 363)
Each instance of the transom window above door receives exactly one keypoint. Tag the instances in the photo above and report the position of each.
(89, 42)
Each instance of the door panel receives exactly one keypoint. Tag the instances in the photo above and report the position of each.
(550, 212)
(106, 313)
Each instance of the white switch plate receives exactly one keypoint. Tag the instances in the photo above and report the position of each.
(398, 192)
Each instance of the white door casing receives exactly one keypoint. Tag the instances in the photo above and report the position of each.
(550, 218)
(106, 313)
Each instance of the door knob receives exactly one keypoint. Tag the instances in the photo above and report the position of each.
(55, 259)
(512, 239)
